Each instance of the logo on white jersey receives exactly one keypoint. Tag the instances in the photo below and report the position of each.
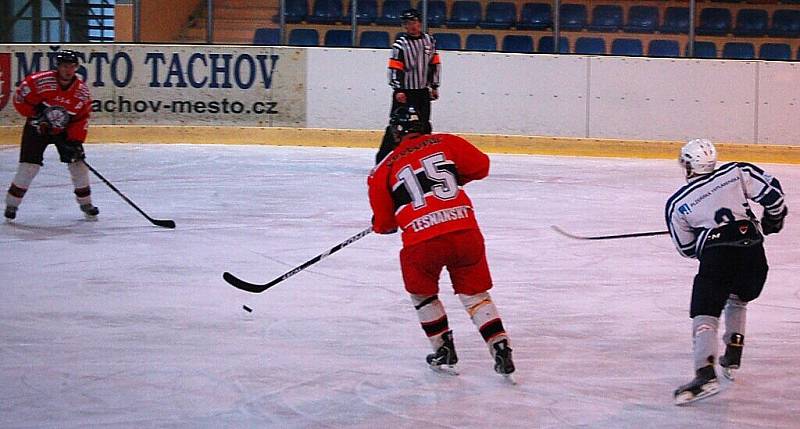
(684, 209)
(5, 79)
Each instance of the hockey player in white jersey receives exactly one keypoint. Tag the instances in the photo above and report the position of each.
(710, 219)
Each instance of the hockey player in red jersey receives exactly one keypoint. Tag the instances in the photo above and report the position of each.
(418, 188)
(57, 105)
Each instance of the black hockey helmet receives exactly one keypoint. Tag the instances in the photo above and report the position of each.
(405, 120)
(410, 15)
(67, 56)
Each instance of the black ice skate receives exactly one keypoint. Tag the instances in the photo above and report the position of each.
(11, 213)
(705, 384)
(733, 356)
(503, 363)
(445, 358)
(90, 211)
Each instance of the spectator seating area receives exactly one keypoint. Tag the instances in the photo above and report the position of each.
(734, 29)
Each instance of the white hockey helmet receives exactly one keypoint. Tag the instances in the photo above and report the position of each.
(698, 157)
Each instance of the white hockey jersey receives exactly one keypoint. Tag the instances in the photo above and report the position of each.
(719, 198)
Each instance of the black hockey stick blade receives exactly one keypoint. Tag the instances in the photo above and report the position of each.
(258, 288)
(164, 223)
(246, 286)
(608, 237)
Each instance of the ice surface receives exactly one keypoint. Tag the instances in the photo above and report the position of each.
(118, 323)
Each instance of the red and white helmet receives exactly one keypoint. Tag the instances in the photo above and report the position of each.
(698, 157)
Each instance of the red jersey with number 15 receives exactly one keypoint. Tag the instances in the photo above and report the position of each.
(43, 87)
(418, 187)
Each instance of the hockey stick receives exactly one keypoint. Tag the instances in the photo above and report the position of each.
(608, 237)
(258, 288)
(159, 222)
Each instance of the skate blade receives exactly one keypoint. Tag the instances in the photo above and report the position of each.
(444, 369)
(90, 218)
(509, 378)
(728, 373)
(684, 398)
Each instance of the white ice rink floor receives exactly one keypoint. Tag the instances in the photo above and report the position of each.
(121, 324)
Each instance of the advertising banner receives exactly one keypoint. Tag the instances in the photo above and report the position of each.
(174, 85)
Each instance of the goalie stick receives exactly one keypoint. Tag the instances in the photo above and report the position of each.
(166, 223)
(608, 237)
(258, 288)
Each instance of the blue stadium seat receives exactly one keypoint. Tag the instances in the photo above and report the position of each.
(481, 42)
(465, 14)
(738, 51)
(547, 45)
(606, 17)
(391, 10)
(663, 48)
(676, 20)
(326, 12)
(367, 12)
(572, 17)
(590, 46)
(714, 21)
(304, 37)
(642, 19)
(518, 44)
(267, 36)
(751, 22)
(448, 41)
(535, 16)
(499, 15)
(704, 50)
(338, 38)
(296, 11)
(785, 23)
(437, 13)
(374, 39)
(775, 51)
(627, 47)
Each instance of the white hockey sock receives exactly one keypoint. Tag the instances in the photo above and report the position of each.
(704, 340)
(735, 317)
(22, 181)
(432, 317)
(484, 315)
(80, 180)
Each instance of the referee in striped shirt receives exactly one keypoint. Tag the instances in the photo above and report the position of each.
(414, 70)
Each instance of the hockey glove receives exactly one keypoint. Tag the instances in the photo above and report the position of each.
(39, 122)
(771, 224)
(71, 151)
(50, 120)
(391, 231)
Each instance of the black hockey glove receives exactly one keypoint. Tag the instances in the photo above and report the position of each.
(39, 122)
(771, 224)
(50, 120)
(71, 151)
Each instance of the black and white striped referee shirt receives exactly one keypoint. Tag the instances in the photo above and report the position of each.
(414, 63)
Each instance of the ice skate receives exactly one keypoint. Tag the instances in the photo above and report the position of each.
(733, 356)
(705, 384)
(445, 358)
(503, 363)
(90, 211)
(10, 213)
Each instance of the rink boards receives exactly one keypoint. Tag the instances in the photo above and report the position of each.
(506, 103)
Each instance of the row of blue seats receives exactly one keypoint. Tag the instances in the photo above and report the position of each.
(525, 44)
(573, 17)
